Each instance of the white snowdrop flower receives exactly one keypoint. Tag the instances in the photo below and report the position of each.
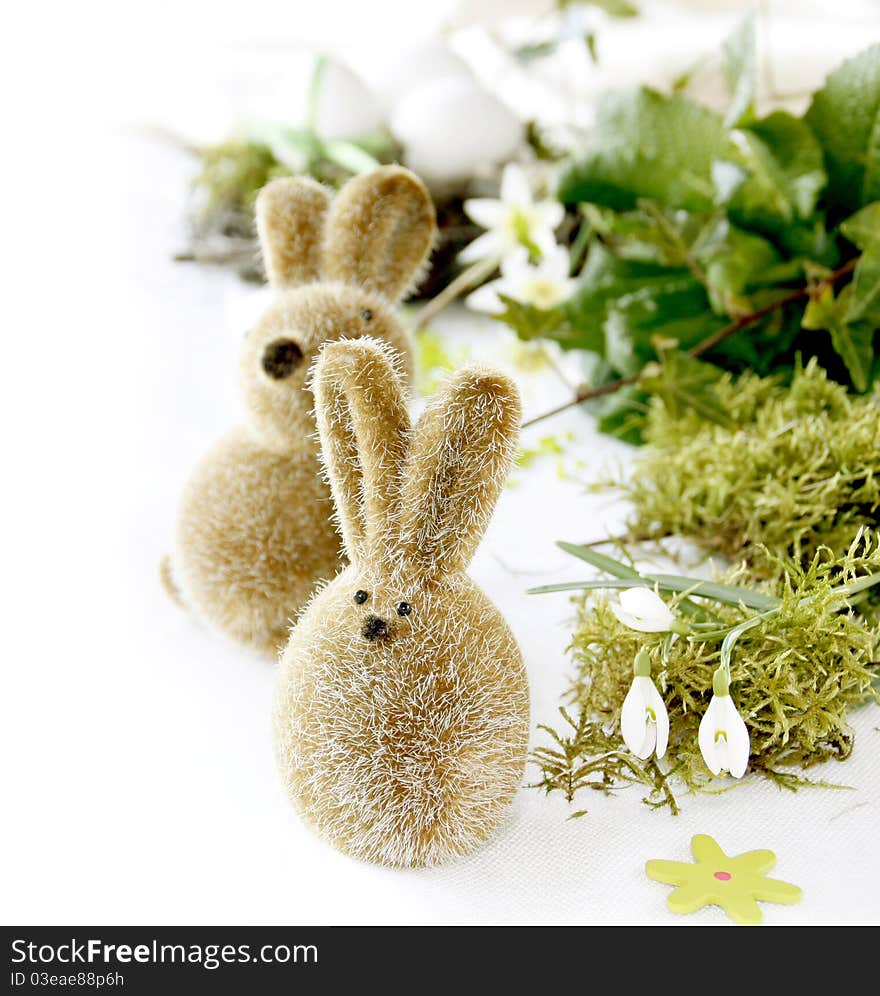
(514, 220)
(544, 284)
(644, 722)
(724, 738)
(643, 609)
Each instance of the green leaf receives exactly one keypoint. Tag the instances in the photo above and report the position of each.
(616, 8)
(350, 157)
(536, 50)
(675, 309)
(864, 304)
(845, 116)
(783, 164)
(852, 341)
(622, 415)
(530, 322)
(649, 234)
(590, 42)
(725, 258)
(863, 229)
(620, 304)
(646, 144)
(736, 260)
(738, 60)
(280, 138)
(819, 312)
(855, 346)
(684, 383)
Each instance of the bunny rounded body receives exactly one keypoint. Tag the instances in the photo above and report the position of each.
(254, 531)
(402, 710)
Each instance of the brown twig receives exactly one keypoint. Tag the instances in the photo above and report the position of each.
(584, 393)
(475, 274)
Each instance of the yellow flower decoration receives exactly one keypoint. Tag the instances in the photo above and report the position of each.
(734, 884)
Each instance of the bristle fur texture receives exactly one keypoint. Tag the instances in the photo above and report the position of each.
(290, 224)
(255, 532)
(357, 390)
(402, 710)
(380, 230)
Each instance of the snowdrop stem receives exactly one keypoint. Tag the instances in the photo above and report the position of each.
(469, 278)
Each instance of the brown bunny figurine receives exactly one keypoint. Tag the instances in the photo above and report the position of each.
(254, 531)
(402, 710)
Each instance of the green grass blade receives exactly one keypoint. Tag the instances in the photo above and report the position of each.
(729, 594)
(726, 593)
(605, 563)
(591, 585)
(860, 584)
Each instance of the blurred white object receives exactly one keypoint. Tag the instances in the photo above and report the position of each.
(470, 12)
(422, 63)
(346, 108)
(544, 284)
(800, 42)
(451, 128)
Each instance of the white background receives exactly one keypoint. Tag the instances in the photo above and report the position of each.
(139, 784)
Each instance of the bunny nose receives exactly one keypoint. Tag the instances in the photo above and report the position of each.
(374, 628)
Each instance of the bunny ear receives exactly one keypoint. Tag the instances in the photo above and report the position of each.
(379, 231)
(364, 430)
(290, 224)
(460, 456)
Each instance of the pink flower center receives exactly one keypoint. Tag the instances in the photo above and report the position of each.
(723, 876)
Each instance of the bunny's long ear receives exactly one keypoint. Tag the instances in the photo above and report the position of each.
(290, 224)
(364, 430)
(379, 231)
(461, 453)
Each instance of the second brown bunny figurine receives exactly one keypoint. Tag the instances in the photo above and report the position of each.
(254, 532)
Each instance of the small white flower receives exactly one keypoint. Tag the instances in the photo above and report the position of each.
(515, 220)
(644, 722)
(643, 609)
(544, 284)
(724, 738)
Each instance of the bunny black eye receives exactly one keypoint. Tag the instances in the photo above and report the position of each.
(281, 357)
(360, 596)
(404, 609)
(367, 315)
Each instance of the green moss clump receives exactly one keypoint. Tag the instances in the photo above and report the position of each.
(799, 468)
(227, 184)
(795, 677)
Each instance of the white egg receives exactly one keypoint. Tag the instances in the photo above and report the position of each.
(432, 59)
(346, 107)
(451, 127)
